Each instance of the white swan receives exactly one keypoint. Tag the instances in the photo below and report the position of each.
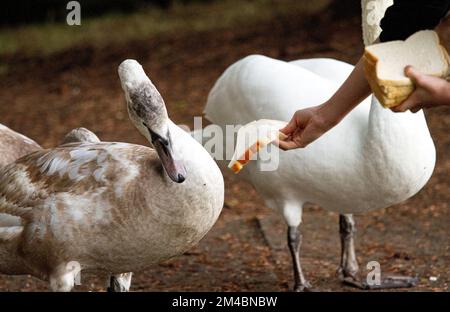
(372, 159)
(110, 207)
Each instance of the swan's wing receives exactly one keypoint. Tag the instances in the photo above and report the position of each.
(75, 169)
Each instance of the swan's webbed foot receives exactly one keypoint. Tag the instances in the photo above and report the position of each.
(386, 282)
(348, 270)
(305, 287)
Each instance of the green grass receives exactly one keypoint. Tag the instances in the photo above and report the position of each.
(46, 39)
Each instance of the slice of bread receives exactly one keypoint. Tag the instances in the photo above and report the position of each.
(384, 65)
(253, 137)
(389, 91)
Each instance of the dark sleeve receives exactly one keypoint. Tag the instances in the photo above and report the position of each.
(406, 17)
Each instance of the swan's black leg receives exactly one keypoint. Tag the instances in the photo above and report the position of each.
(120, 282)
(294, 242)
(349, 265)
(348, 269)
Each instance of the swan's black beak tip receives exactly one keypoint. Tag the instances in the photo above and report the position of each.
(181, 178)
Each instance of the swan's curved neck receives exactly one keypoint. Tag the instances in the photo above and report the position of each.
(183, 142)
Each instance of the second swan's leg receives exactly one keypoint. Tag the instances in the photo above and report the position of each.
(348, 269)
(349, 265)
(292, 213)
(294, 242)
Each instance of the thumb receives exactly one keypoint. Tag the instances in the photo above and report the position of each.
(419, 79)
(409, 103)
(290, 127)
(412, 73)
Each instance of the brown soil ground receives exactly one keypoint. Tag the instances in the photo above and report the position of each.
(45, 97)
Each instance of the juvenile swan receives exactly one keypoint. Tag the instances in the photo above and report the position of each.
(110, 207)
(120, 282)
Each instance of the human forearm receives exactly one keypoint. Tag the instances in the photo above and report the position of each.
(430, 92)
(309, 124)
(352, 92)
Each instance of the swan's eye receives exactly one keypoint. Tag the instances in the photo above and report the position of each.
(156, 136)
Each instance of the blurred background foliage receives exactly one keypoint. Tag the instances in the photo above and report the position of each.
(32, 11)
(39, 27)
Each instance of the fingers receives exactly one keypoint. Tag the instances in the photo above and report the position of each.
(286, 145)
(290, 127)
(412, 73)
(416, 76)
(301, 130)
(430, 91)
(421, 80)
(410, 103)
(301, 138)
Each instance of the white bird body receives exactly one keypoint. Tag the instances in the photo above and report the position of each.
(110, 207)
(372, 159)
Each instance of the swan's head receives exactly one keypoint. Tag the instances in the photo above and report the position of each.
(148, 113)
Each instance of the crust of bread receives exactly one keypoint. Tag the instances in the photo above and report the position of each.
(391, 100)
(389, 91)
(447, 57)
(394, 91)
(369, 59)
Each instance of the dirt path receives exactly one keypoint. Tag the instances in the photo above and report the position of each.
(44, 98)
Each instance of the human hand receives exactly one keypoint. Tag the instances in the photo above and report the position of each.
(311, 123)
(430, 92)
(306, 126)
